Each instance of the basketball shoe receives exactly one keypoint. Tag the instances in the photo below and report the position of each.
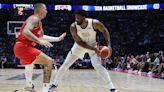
(113, 90)
(52, 87)
(30, 89)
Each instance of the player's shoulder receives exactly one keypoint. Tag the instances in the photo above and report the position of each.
(33, 18)
(73, 25)
(95, 21)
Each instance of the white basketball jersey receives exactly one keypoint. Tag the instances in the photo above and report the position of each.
(87, 35)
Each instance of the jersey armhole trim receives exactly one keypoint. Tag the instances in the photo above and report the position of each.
(75, 27)
(93, 26)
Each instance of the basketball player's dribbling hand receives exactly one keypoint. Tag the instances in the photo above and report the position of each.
(97, 50)
(61, 37)
(110, 52)
(45, 43)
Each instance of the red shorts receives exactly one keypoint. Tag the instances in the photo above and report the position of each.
(26, 54)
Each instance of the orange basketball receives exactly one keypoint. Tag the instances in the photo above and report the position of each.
(104, 52)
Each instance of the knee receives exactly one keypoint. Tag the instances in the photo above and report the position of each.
(49, 61)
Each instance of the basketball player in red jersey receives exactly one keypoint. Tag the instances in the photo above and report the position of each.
(31, 33)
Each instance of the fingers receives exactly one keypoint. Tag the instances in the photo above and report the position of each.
(98, 51)
(47, 44)
(64, 34)
(110, 52)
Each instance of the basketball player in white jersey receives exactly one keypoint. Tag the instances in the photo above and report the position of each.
(83, 33)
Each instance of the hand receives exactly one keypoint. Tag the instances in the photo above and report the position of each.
(61, 37)
(45, 43)
(97, 50)
(110, 51)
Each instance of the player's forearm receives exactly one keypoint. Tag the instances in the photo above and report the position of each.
(29, 35)
(83, 44)
(107, 38)
(51, 39)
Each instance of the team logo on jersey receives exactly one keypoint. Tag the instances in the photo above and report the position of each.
(85, 34)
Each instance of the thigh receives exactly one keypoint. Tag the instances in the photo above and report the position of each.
(71, 58)
(42, 58)
(78, 51)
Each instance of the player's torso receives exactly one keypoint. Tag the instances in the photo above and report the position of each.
(87, 35)
(36, 31)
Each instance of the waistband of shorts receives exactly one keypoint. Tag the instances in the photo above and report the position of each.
(17, 42)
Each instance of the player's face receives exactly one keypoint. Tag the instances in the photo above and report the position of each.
(44, 11)
(79, 19)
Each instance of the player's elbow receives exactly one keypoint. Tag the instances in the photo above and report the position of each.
(25, 32)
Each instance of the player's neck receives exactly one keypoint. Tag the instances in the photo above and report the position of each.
(84, 24)
(39, 16)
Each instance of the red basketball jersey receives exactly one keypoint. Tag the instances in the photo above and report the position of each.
(36, 31)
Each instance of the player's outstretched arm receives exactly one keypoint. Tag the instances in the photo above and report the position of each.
(53, 39)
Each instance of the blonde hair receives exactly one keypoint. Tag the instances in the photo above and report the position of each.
(37, 6)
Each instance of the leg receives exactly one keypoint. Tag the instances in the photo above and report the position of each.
(152, 70)
(96, 62)
(70, 59)
(32, 55)
(28, 74)
(160, 68)
(46, 61)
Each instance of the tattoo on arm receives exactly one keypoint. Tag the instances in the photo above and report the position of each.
(32, 22)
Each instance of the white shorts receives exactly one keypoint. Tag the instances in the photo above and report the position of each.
(80, 51)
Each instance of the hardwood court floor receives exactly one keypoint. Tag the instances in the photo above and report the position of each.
(81, 81)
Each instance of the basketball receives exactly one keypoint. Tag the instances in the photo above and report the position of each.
(104, 52)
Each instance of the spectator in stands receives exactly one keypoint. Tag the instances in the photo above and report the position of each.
(3, 61)
(156, 64)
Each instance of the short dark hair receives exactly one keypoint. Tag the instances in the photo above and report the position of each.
(37, 6)
(80, 12)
